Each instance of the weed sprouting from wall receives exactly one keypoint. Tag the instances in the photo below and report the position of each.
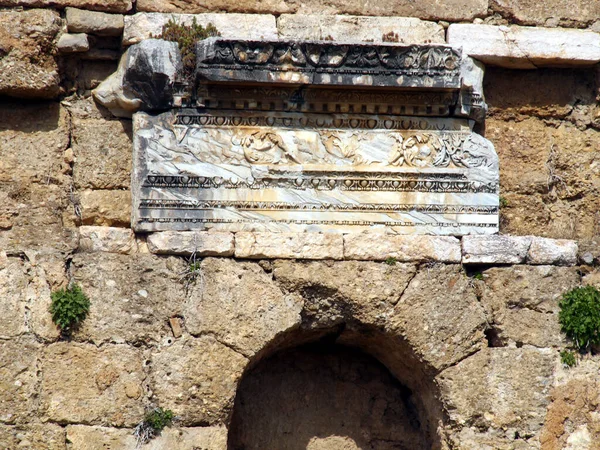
(69, 307)
(579, 316)
(152, 425)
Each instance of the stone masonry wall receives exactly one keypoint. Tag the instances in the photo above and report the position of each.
(477, 356)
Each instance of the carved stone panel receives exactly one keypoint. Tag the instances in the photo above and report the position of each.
(289, 171)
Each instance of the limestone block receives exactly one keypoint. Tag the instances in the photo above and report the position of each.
(18, 379)
(106, 207)
(561, 252)
(98, 23)
(38, 296)
(495, 249)
(132, 297)
(289, 245)
(450, 10)
(191, 242)
(106, 239)
(84, 383)
(32, 436)
(102, 151)
(550, 12)
(27, 65)
(526, 47)
(84, 437)
(240, 26)
(500, 388)
(356, 28)
(379, 247)
(13, 282)
(95, 5)
(440, 315)
(73, 43)
(238, 304)
(197, 379)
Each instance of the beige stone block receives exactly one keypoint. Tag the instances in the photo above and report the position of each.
(28, 68)
(526, 47)
(38, 294)
(32, 436)
(500, 388)
(562, 252)
(120, 6)
(197, 379)
(106, 239)
(84, 383)
(440, 316)
(13, 283)
(102, 151)
(402, 248)
(200, 243)
(98, 23)
(236, 26)
(289, 245)
(132, 296)
(495, 249)
(18, 379)
(240, 305)
(549, 12)
(409, 30)
(73, 43)
(106, 207)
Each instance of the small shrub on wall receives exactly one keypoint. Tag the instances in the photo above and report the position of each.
(579, 316)
(69, 308)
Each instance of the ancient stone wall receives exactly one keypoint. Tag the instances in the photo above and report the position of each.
(464, 332)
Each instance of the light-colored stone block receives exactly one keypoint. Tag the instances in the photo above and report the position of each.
(106, 239)
(379, 247)
(409, 30)
(289, 245)
(241, 26)
(562, 252)
(201, 243)
(526, 47)
(101, 24)
(73, 43)
(495, 249)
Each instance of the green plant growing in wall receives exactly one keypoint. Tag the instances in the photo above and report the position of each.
(568, 358)
(69, 307)
(391, 261)
(579, 316)
(186, 38)
(152, 425)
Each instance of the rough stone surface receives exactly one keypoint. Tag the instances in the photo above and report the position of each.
(495, 249)
(106, 239)
(355, 28)
(552, 251)
(119, 6)
(73, 43)
(102, 151)
(32, 436)
(532, 12)
(441, 316)
(526, 47)
(106, 208)
(13, 282)
(100, 24)
(289, 245)
(240, 26)
(197, 379)
(86, 384)
(500, 387)
(27, 64)
(242, 293)
(19, 376)
(92, 438)
(132, 297)
(521, 303)
(450, 10)
(380, 247)
(191, 242)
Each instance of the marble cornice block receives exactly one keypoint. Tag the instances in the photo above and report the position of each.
(495, 249)
(289, 245)
(186, 243)
(106, 239)
(561, 252)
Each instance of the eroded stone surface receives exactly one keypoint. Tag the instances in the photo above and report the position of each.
(13, 283)
(549, 13)
(289, 245)
(101, 24)
(552, 251)
(106, 207)
(27, 64)
(192, 242)
(96, 5)
(106, 239)
(86, 384)
(197, 379)
(356, 28)
(229, 292)
(73, 43)
(132, 297)
(380, 247)
(32, 436)
(495, 249)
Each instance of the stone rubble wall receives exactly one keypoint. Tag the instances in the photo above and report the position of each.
(489, 344)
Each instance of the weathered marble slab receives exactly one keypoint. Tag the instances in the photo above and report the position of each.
(276, 171)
